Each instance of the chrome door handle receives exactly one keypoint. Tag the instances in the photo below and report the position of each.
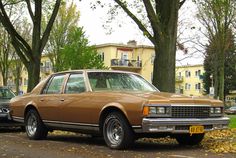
(62, 99)
(41, 99)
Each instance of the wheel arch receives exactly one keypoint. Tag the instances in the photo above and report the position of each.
(111, 108)
(29, 106)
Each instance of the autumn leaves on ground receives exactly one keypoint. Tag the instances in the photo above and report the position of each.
(223, 141)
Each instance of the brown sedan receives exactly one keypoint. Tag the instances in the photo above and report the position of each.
(120, 106)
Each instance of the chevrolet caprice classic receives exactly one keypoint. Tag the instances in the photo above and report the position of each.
(120, 106)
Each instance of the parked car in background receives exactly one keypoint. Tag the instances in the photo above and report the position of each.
(231, 110)
(120, 106)
(6, 95)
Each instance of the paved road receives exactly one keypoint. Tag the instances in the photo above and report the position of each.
(15, 144)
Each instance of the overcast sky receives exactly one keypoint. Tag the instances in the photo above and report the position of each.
(93, 21)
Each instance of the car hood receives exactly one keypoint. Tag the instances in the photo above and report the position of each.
(171, 98)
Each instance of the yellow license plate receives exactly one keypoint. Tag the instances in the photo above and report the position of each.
(196, 129)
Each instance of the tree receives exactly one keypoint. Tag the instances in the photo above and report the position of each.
(77, 54)
(30, 54)
(6, 53)
(67, 19)
(230, 69)
(217, 17)
(158, 22)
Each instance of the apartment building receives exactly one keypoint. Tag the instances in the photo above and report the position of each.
(134, 58)
(189, 80)
(130, 57)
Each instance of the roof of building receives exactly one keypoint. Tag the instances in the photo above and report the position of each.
(183, 66)
(123, 45)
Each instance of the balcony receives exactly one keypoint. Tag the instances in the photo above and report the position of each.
(125, 64)
(179, 79)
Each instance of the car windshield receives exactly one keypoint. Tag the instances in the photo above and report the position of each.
(6, 93)
(113, 81)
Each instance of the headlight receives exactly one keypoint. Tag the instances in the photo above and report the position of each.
(161, 111)
(212, 110)
(216, 111)
(0, 110)
(152, 110)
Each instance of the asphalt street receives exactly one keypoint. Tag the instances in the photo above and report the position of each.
(15, 144)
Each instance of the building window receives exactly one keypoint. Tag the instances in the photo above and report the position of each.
(187, 86)
(153, 58)
(179, 74)
(187, 73)
(101, 56)
(198, 86)
(197, 73)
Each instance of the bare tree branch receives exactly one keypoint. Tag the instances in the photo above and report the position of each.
(137, 21)
(46, 33)
(152, 16)
(181, 3)
(30, 9)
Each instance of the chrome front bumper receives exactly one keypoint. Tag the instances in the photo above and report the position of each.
(181, 125)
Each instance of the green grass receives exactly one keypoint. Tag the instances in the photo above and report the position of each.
(232, 123)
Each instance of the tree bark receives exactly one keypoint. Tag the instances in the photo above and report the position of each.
(17, 79)
(164, 63)
(33, 74)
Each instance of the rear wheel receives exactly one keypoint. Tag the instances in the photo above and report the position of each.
(187, 139)
(35, 129)
(117, 131)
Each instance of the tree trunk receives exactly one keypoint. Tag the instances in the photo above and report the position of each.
(221, 75)
(165, 47)
(164, 68)
(17, 79)
(4, 77)
(216, 84)
(33, 74)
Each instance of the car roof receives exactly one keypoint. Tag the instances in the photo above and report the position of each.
(94, 70)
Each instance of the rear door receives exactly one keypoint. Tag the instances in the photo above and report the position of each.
(76, 107)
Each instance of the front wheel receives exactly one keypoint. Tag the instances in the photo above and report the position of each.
(35, 129)
(187, 139)
(117, 131)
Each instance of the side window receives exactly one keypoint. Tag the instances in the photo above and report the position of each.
(54, 85)
(75, 84)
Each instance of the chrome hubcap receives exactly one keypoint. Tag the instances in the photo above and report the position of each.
(114, 131)
(31, 125)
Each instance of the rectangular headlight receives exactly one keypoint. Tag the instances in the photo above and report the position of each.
(152, 110)
(161, 110)
(217, 110)
(212, 110)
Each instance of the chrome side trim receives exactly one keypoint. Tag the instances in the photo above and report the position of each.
(70, 123)
(18, 119)
(72, 126)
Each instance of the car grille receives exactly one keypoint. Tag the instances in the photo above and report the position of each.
(190, 112)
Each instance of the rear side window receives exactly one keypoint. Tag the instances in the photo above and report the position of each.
(54, 85)
(75, 84)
